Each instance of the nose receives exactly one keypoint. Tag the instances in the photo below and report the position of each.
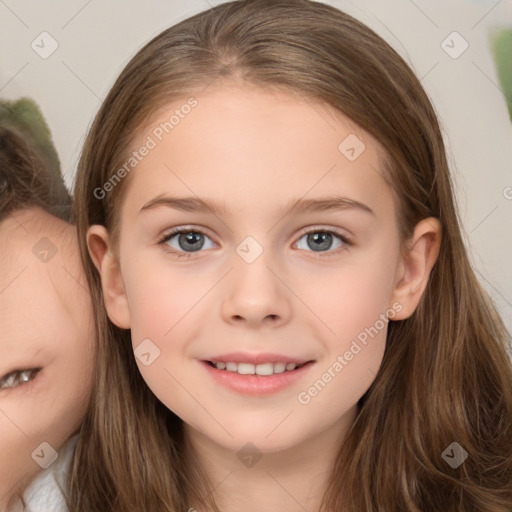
(256, 295)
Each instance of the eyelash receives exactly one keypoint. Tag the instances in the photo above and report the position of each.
(183, 254)
(33, 372)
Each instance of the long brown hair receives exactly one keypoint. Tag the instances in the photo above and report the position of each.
(445, 376)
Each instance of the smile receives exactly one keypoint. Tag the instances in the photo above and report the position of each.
(256, 379)
(256, 369)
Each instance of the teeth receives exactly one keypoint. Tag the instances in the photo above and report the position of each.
(265, 369)
(259, 369)
(279, 367)
(246, 369)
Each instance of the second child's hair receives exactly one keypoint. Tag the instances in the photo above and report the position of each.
(26, 181)
(445, 374)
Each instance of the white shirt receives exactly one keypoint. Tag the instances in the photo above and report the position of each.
(43, 493)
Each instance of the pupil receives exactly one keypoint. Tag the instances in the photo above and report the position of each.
(323, 238)
(191, 238)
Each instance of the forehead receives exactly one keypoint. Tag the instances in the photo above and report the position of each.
(30, 247)
(249, 117)
(265, 143)
(20, 232)
(22, 277)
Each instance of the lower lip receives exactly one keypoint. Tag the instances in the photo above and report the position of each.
(257, 385)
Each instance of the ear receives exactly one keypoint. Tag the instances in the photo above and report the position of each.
(107, 264)
(414, 270)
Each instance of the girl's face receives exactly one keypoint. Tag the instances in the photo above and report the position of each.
(46, 345)
(292, 256)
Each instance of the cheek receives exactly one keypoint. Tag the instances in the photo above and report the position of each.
(159, 299)
(67, 400)
(25, 423)
(64, 393)
(162, 293)
(161, 303)
(50, 410)
(353, 304)
(15, 461)
(355, 309)
(352, 297)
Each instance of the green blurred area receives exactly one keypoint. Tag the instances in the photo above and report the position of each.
(501, 41)
(25, 116)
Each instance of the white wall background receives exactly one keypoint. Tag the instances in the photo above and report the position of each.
(97, 38)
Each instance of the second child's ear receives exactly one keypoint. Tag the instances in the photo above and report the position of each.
(107, 264)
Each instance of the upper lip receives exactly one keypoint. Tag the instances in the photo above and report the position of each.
(265, 357)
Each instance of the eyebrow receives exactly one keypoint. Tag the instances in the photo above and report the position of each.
(295, 206)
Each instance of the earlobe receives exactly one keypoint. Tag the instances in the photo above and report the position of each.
(107, 264)
(421, 255)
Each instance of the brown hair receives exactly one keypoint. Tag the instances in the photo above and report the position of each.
(445, 375)
(27, 179)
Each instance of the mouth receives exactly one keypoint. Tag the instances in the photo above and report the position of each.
(262, 369)
(261, 379)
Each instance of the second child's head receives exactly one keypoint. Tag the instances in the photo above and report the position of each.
(265, 191)
(47, 338)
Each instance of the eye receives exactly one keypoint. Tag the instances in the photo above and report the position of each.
(18, 378)
(321, 240)
(183, 242)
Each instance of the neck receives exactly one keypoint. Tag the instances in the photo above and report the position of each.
(293, 479)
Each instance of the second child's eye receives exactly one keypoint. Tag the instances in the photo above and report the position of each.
(17, 378)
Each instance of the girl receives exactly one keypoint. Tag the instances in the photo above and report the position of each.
(47, 346)
(287, 316)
